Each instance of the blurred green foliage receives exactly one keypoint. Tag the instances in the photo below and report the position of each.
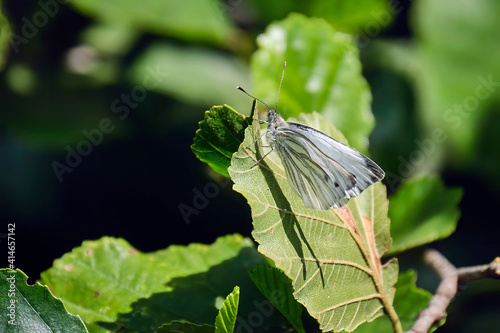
(459, 75)
(154, 67)
(193, 75)
(192, 20)
(4, 38)
(422, 211)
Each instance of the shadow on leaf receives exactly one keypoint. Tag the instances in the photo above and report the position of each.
(195, 299)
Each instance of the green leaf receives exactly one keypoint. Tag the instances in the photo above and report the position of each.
(323, 74)
(32, 308)
(192, 20)
(219, 136)
(194, 75)
(196, 298)
(458, 77)
(368, 17)
(422, 211)
(226, 319)
(178, 327)
(409, 301)
(277, 287)
(110, 39)
(5, 36)
(356, 16)
(111, 274)
(332, 257)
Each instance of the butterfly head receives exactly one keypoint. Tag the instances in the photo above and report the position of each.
(272, 115)
(274, 119)
(275, 123)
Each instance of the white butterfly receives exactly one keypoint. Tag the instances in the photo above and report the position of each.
(321, 170)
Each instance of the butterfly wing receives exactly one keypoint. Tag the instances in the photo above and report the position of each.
(364, 170)
(323, 171)
(316, 187)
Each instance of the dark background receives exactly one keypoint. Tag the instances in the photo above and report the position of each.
(132, 184)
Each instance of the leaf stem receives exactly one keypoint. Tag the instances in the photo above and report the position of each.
(389, 309)
(386, 302)
(373, 261)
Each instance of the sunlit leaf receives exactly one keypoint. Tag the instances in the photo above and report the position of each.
(226, 319)
(111, 274)
(197, 298)
(32, 308)
(219, 136)
(332, 257)
(422, 211)
(323, 74)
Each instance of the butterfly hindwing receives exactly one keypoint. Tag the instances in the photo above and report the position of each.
(318, 186)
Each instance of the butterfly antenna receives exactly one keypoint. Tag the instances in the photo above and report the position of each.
(279, 88)
(240, 88)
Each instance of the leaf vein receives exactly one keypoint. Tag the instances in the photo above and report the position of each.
(360, 299)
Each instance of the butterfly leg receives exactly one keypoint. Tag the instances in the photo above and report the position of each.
(263, 157)
(254, 141)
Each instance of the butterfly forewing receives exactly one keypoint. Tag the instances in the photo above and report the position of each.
(364, 170)
(323, 171)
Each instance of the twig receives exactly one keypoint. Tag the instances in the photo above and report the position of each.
(450, 279)
(491, 271)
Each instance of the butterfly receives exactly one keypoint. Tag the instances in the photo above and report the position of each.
(322, 171)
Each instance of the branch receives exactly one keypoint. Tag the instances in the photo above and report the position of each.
(444, 294)
(451, 278)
